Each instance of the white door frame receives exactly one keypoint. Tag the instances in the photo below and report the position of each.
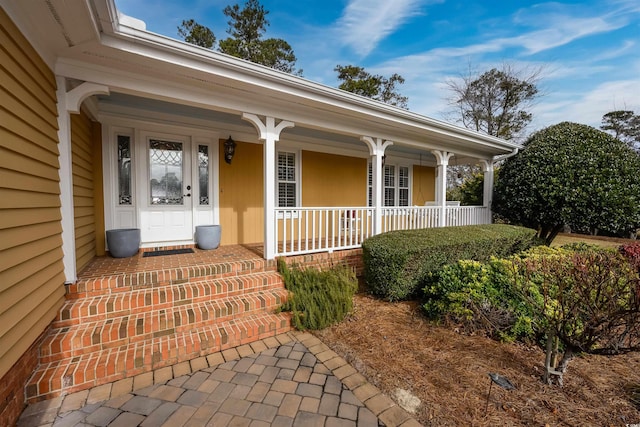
(162, 223)
(129, 216)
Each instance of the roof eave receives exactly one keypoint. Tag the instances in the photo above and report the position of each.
(133, 30)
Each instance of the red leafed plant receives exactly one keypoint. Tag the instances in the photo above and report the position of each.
(631, 251)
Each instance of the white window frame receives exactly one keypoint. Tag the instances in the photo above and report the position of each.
(396, 186)
(298, 184)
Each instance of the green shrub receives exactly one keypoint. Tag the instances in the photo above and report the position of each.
(576, 292)
(318, 299)
(481, 297)
(396, 264)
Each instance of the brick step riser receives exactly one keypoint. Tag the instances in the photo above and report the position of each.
(90, 370)
(96, 336)
(89, 309)
(130, 282)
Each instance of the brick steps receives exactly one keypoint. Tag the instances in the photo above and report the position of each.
(71, 374)
(142, 324)
(133, 320)
(114, 281)
(88, 307)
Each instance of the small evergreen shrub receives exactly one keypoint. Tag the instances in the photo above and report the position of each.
(318, 299)
(396, 264)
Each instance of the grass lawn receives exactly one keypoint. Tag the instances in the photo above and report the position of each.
(607, 242)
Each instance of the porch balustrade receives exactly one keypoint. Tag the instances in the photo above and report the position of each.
(304, 230)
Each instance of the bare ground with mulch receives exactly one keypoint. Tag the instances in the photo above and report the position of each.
(395, 346)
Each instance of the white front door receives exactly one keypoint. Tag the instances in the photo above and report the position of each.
(166, 202)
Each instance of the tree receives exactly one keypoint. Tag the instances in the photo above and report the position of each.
(357, 80)
(197, 34)
(470, 192)
(586, 300)
(570, 174)
(623, 125)
(246, 28)
(496, 102)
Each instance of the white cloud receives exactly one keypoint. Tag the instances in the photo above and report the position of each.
(560, 33)
(365, 23)
(628, 47)
(609, 96)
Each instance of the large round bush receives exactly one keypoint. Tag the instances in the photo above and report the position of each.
(571, 174)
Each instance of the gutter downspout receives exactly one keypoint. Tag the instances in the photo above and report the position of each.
(501, 157)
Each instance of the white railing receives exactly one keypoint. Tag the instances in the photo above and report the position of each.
(467, 215)
(410, 218)
(307, 230)
(318, 229)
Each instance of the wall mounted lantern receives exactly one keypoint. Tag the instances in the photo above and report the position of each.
(229, 149)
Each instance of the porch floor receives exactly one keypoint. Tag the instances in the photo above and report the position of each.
(107, 265)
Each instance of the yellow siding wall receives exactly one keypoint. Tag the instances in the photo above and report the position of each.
(241, 195)
(327, 180)
(98, 193)
(424, 184)
(331, 180)
(83, 188)
(31, 270)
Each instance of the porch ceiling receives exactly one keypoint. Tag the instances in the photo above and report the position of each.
(91, 41)
(119, 104)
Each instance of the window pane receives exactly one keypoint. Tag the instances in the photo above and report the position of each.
(389, 176)
(389, 196)
(403, 195)
(124, 170)
(286, 195)
(165, 159)
(287, 180)
(203, 174)
(403, 177)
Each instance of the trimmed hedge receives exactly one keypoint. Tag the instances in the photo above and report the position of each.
(397, 263)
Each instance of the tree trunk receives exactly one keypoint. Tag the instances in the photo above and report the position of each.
(548, 365)
(564, 363)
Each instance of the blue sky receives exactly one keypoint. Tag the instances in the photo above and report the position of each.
(589, 51)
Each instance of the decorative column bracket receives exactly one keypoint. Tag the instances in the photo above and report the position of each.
(377, 148)
(268, 129)
(77, 95)
(269, 133)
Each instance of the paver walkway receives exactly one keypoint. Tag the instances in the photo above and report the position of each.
(292, 379)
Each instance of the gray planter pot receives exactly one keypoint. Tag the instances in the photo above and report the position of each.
(123, 242)
(208, 236)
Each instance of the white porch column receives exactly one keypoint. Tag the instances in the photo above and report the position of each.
(376, 150)
(442, 158)
(69, 102)
(269, 134)
(487, 195)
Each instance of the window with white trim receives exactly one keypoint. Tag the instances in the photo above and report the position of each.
(395, 184)
(287, 185)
